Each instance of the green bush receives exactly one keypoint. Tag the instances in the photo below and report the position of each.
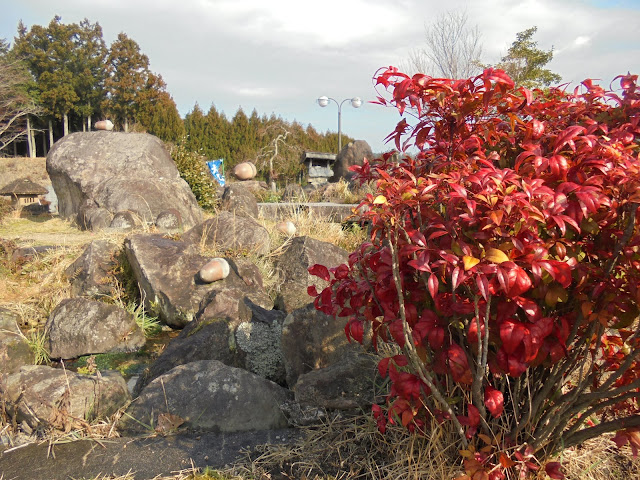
(193, 170)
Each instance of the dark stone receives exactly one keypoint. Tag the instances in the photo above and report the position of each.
(36, 392)
(293, 264)
(227, 231)
(167, 271)
(169, 220)
(311, 340)
(14, 348)
(91, 275)
(123, 221)
(351, 154)
(293, 192)
(210, 396)
(239, 201)
(81, 326)
(345, 385)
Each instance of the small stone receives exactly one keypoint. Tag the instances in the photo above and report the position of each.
(216, 269)
(245, 171)
(286, 228)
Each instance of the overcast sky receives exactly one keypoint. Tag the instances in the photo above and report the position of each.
(279, 56)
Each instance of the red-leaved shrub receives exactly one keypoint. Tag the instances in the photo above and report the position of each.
(504, 263)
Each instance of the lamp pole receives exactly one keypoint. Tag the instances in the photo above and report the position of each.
(355, 103)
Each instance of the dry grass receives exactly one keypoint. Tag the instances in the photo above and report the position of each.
(22, 167)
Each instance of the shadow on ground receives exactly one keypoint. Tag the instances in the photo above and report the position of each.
(145, 457)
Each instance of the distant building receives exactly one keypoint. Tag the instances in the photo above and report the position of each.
(319, 166)
(23, 192)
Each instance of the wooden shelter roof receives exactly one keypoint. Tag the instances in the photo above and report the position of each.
(23, 186)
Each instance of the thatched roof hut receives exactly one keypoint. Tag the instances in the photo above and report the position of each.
(23, 191)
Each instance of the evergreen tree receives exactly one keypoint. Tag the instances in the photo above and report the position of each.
(194, 125)
(524, 62)
(89, 70)
(49, 54)
(127, 76)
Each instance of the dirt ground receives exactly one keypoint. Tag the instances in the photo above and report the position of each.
(19, 167)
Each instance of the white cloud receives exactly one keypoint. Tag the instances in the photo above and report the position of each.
(280, 55)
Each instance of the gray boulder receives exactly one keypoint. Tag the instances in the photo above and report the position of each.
(167, 272)
(81, 326)
(239, 200)
(351, 154)
(91, 274)
(41, 395)
(345, 385)
(312, 340)
(250, 341)
(227, 231)
(210, 396)
(118, 172)
(14, 348)
(302, 253)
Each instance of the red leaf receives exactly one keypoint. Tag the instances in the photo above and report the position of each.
(483, 286)
(433, 285)
(320, 271)
(311, 291)
(511, 334)
(494, 401)
(459, 365)
(561, 272)
(567, 136)
(553, 469)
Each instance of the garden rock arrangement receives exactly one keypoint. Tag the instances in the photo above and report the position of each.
(237, 364)
(96, 175)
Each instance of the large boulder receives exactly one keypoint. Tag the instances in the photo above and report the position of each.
(250, 341)
(293, 264)
(312, 340)
(351, 154)
(227, 231)
(14, 348)
(91, 274)
(167, 272)
(41, 395)
(208, 395)
(81, 326)
(117, 172)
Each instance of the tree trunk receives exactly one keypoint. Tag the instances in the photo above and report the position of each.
(126, 125)
(89, 123)
(50, 133)
(65, 124)
(30, 143)
(44, 144)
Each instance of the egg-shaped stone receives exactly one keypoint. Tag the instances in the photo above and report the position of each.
(214, 270)
(104, 125)
(286, 228)
(245, 171)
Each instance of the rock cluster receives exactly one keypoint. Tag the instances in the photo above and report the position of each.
(242, 359)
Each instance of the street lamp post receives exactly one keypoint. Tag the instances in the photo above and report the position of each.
(355, 103)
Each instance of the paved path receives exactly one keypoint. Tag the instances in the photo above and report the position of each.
(145, 457)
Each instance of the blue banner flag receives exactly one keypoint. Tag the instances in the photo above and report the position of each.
(216, 167)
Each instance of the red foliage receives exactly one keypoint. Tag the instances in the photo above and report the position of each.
(514, 237)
